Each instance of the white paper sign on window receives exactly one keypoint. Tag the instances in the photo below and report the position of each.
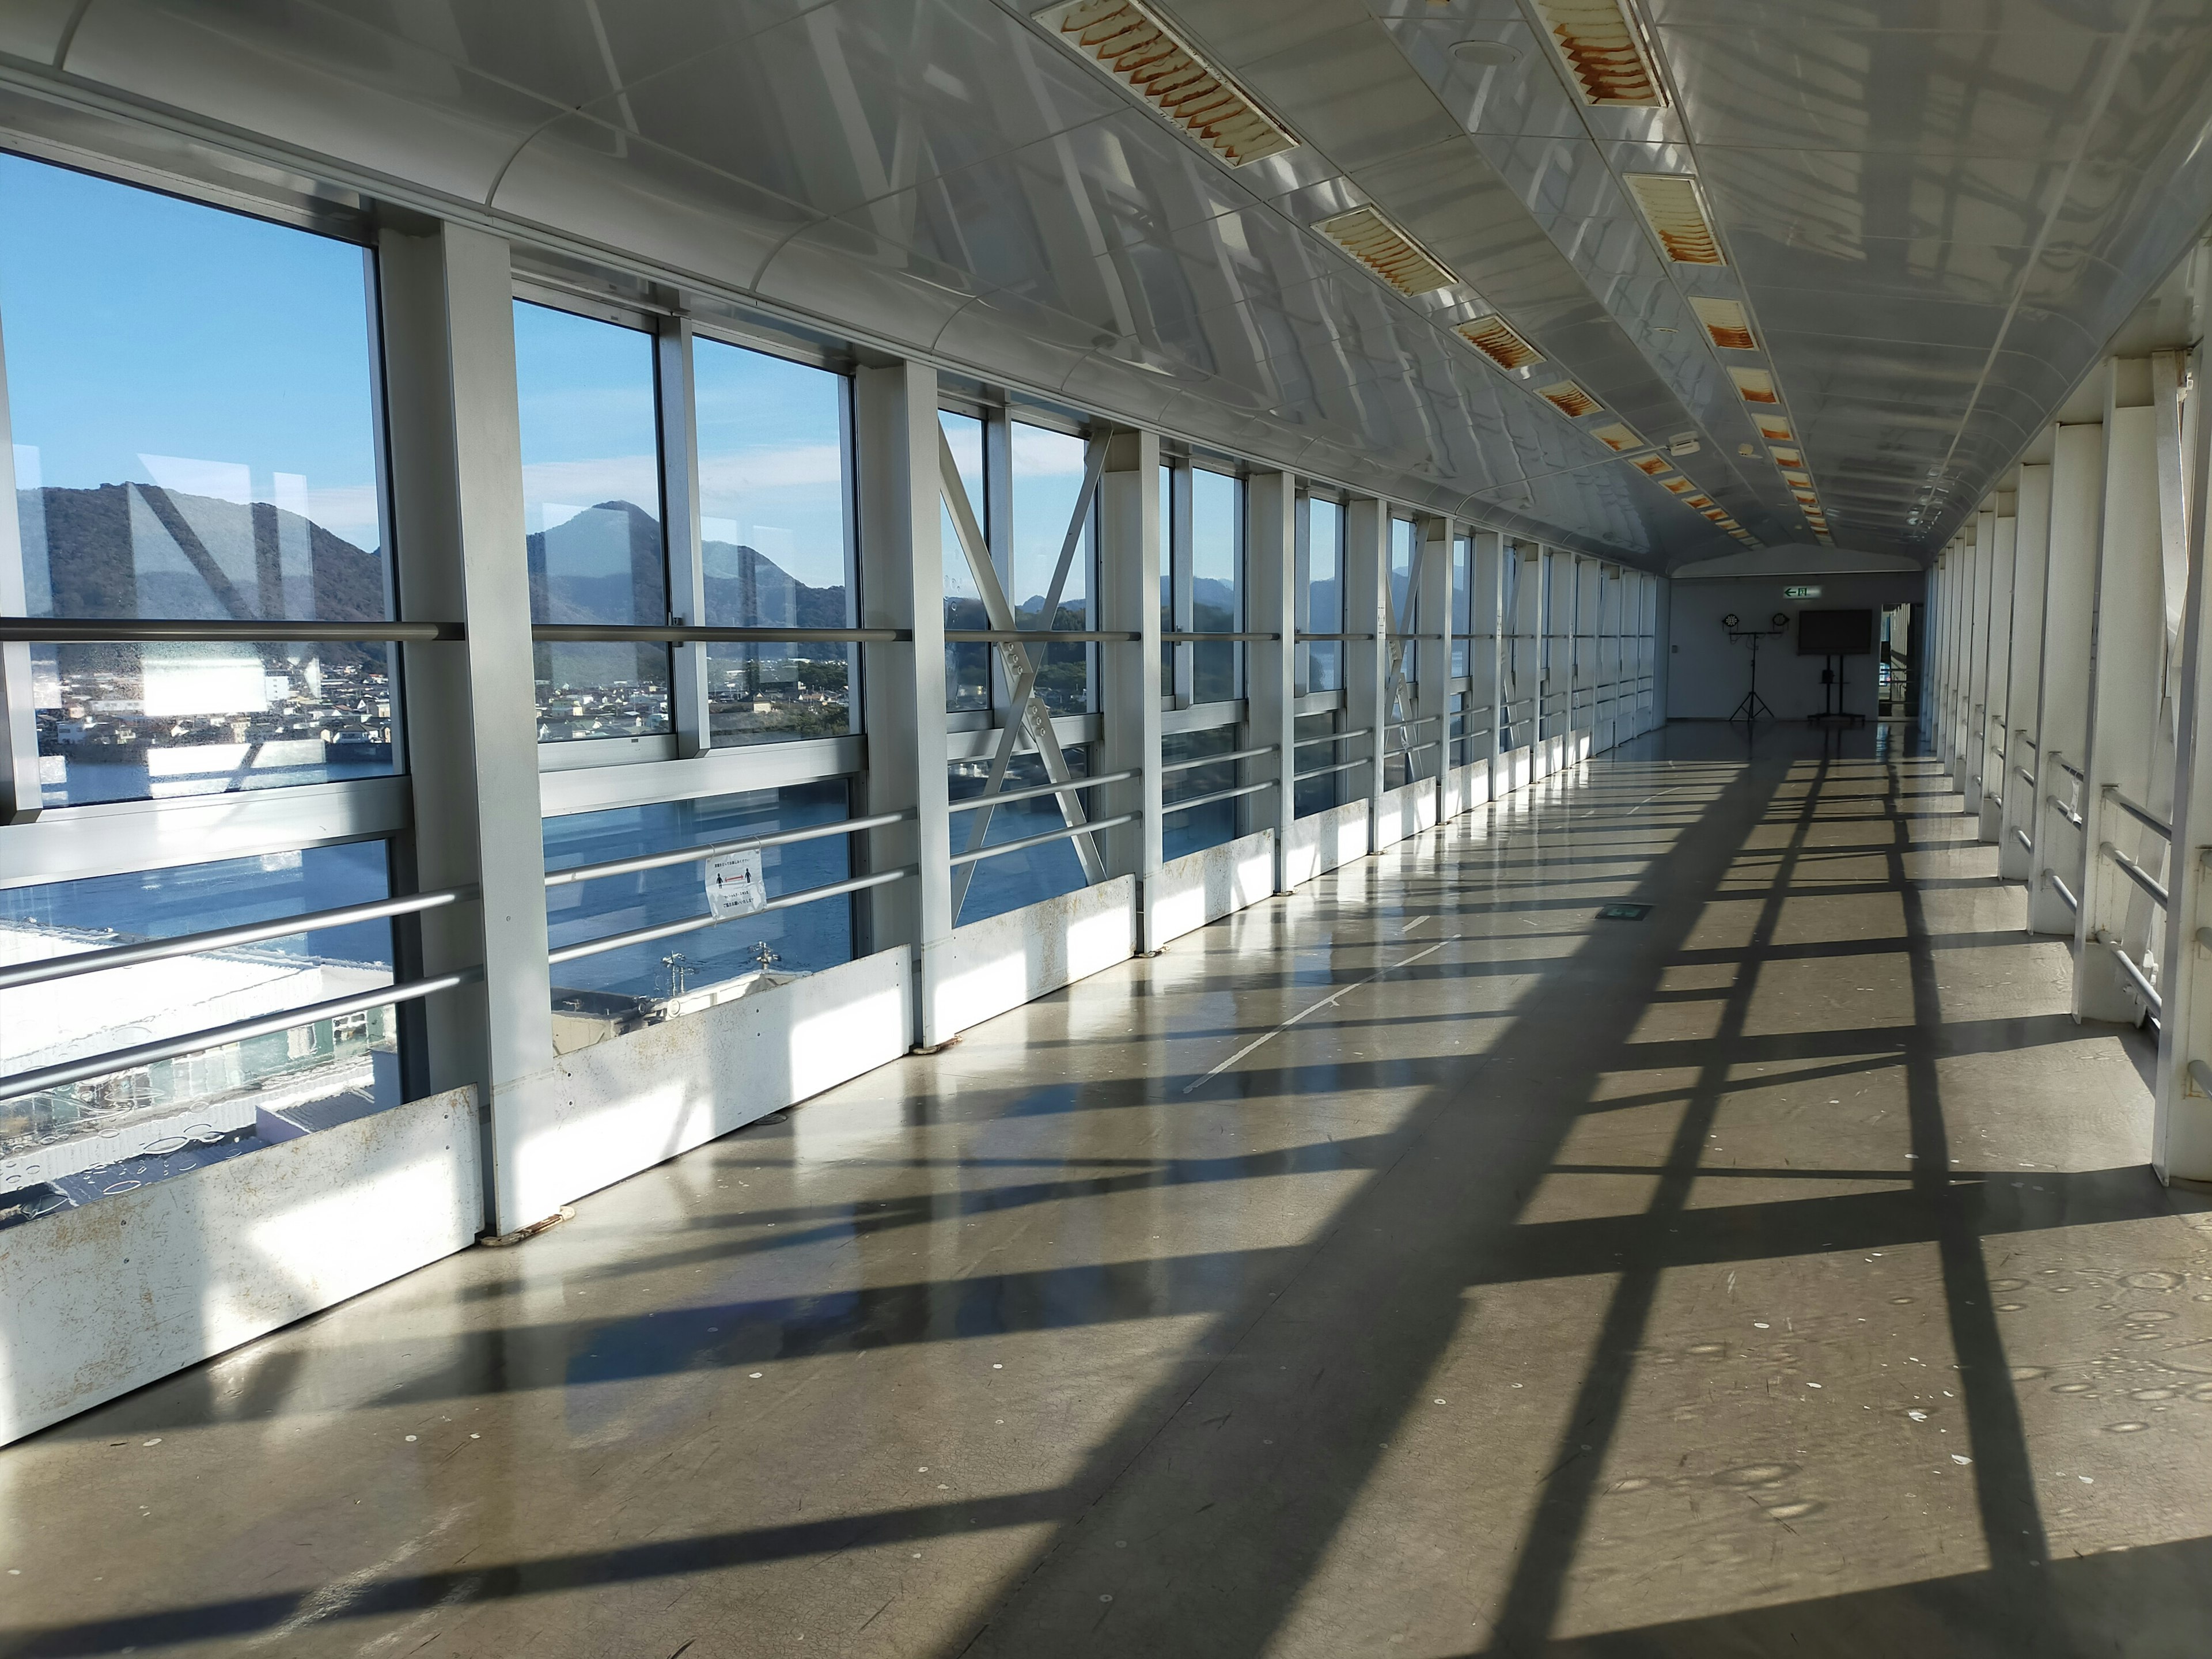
(734, 884)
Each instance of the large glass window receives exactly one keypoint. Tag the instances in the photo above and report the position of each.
(590, 492)
(1463, 602)
(1011, 880)
(1048, 482)
(775, 503)
(70, 1145)
(967, 667)
(1324, 606)
(618, 990)
(1324, 789)
(1193, 828)
(1217, 583)
(195, 437)
(1404, 607)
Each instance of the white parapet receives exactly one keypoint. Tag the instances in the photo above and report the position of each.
(1002, 961)
(1326, 840)
(1205, 886)
(100, 1300)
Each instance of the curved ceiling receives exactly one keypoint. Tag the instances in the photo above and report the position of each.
(1935, 213)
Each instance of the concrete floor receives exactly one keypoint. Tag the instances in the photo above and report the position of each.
(1780, 1273)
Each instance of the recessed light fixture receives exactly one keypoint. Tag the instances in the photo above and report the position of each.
(1727, 322)
(1605, 51)
(1678, 484)
(1672, 202)
(1569, 398)
(1756, 384)
(1487, 54)
(1650, 465)
(1616, 437)
(1137, 47)
(1396, 258)
(1774, 428)
(1699, 501)
(1788, 458)
(1495, 338)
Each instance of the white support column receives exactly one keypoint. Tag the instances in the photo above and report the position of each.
(2127, 677)
(1975, 710)
(902, 684)
(687, 573)
(1271, 692)
(1484, 659)
(1989, 739)
(2024, 679)
(472, 713)
(2061, 716)
(1935, 695)
(1129, 600)
(1432, 653)
(2181, 1131)
(1366, 610)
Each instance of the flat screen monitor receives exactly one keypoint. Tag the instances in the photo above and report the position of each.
(1835, 633)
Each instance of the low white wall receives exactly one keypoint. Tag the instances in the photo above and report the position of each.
(98, 1301)
(1205, 886)
(991, 966)
(602, 1112)
(1467, 788)
(1326, 840)
(1404, 812)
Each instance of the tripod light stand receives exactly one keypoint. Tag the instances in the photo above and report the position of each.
(1753, 707)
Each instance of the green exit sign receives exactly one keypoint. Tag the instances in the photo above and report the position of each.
(1800, 593)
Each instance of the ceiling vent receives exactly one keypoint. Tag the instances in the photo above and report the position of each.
(1650, 465)
(1493, 336)
(1130, 42)
(1569, 398)
(1672, 203)
(1727, 322)
(1387, 250)
(1605, 50)
(1756, 384)
(1616, 437)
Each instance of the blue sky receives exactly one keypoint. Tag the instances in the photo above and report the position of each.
(161, 342)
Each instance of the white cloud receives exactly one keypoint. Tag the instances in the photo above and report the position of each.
(580, 485)
(800, 466)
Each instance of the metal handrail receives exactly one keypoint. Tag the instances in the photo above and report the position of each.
(592, 947)
(1169, 808)
(2020, 835)
(2025, 738)
(679, 634)
(1040, 636)
(2065, 811)
(2134, 872)
(1217, 760)
(2024, 775)
(2071, 771)
(2201, 1075)
(1304, 636)
(132, 630)
(2142, 816)
(1333, 737)
(1007, 797)
(220, 939)
(2144, 989)
(569, 878)
(1063, 833)
(2065, 891)
(1331, 771)
(215, 1037)
(1202, 639)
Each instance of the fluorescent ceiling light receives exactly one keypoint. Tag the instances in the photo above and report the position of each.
(1672, 203)
(1699, 501)
(1774, 428)
(1387, 250)
(1650, 465)
(1788, 458)
(1616, 437)
(1569, 398)
(1605, 50)
(1727, 322)
(1132, 43)
(1681, 486)
(1493, 336)
(1756, 384)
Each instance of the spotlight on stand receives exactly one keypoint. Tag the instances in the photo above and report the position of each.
(1753, 707)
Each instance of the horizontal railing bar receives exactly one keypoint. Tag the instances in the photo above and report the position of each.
(2071, 769)
(700, 854)
(592, 947)
(2027, 739)
(192, 1042)
(1073, 829)
(1217, 760)
(1331, 771)
(2134, 872)
(1992, 798)
(2021, 836)
(1201, 639)
(678, 634)
(2065, 891)
(1415, 724)
(144, 630)
(2142, 816)
(1335, 636)
(2065, 811)
(2201, 1075)
(1038, 636)
(1335, 737)
(2024, 775)
(1169, 808)
(1006, 797)
(2144, 989)
(220, 939)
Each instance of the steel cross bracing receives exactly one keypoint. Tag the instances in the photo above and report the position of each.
(1021, 663)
